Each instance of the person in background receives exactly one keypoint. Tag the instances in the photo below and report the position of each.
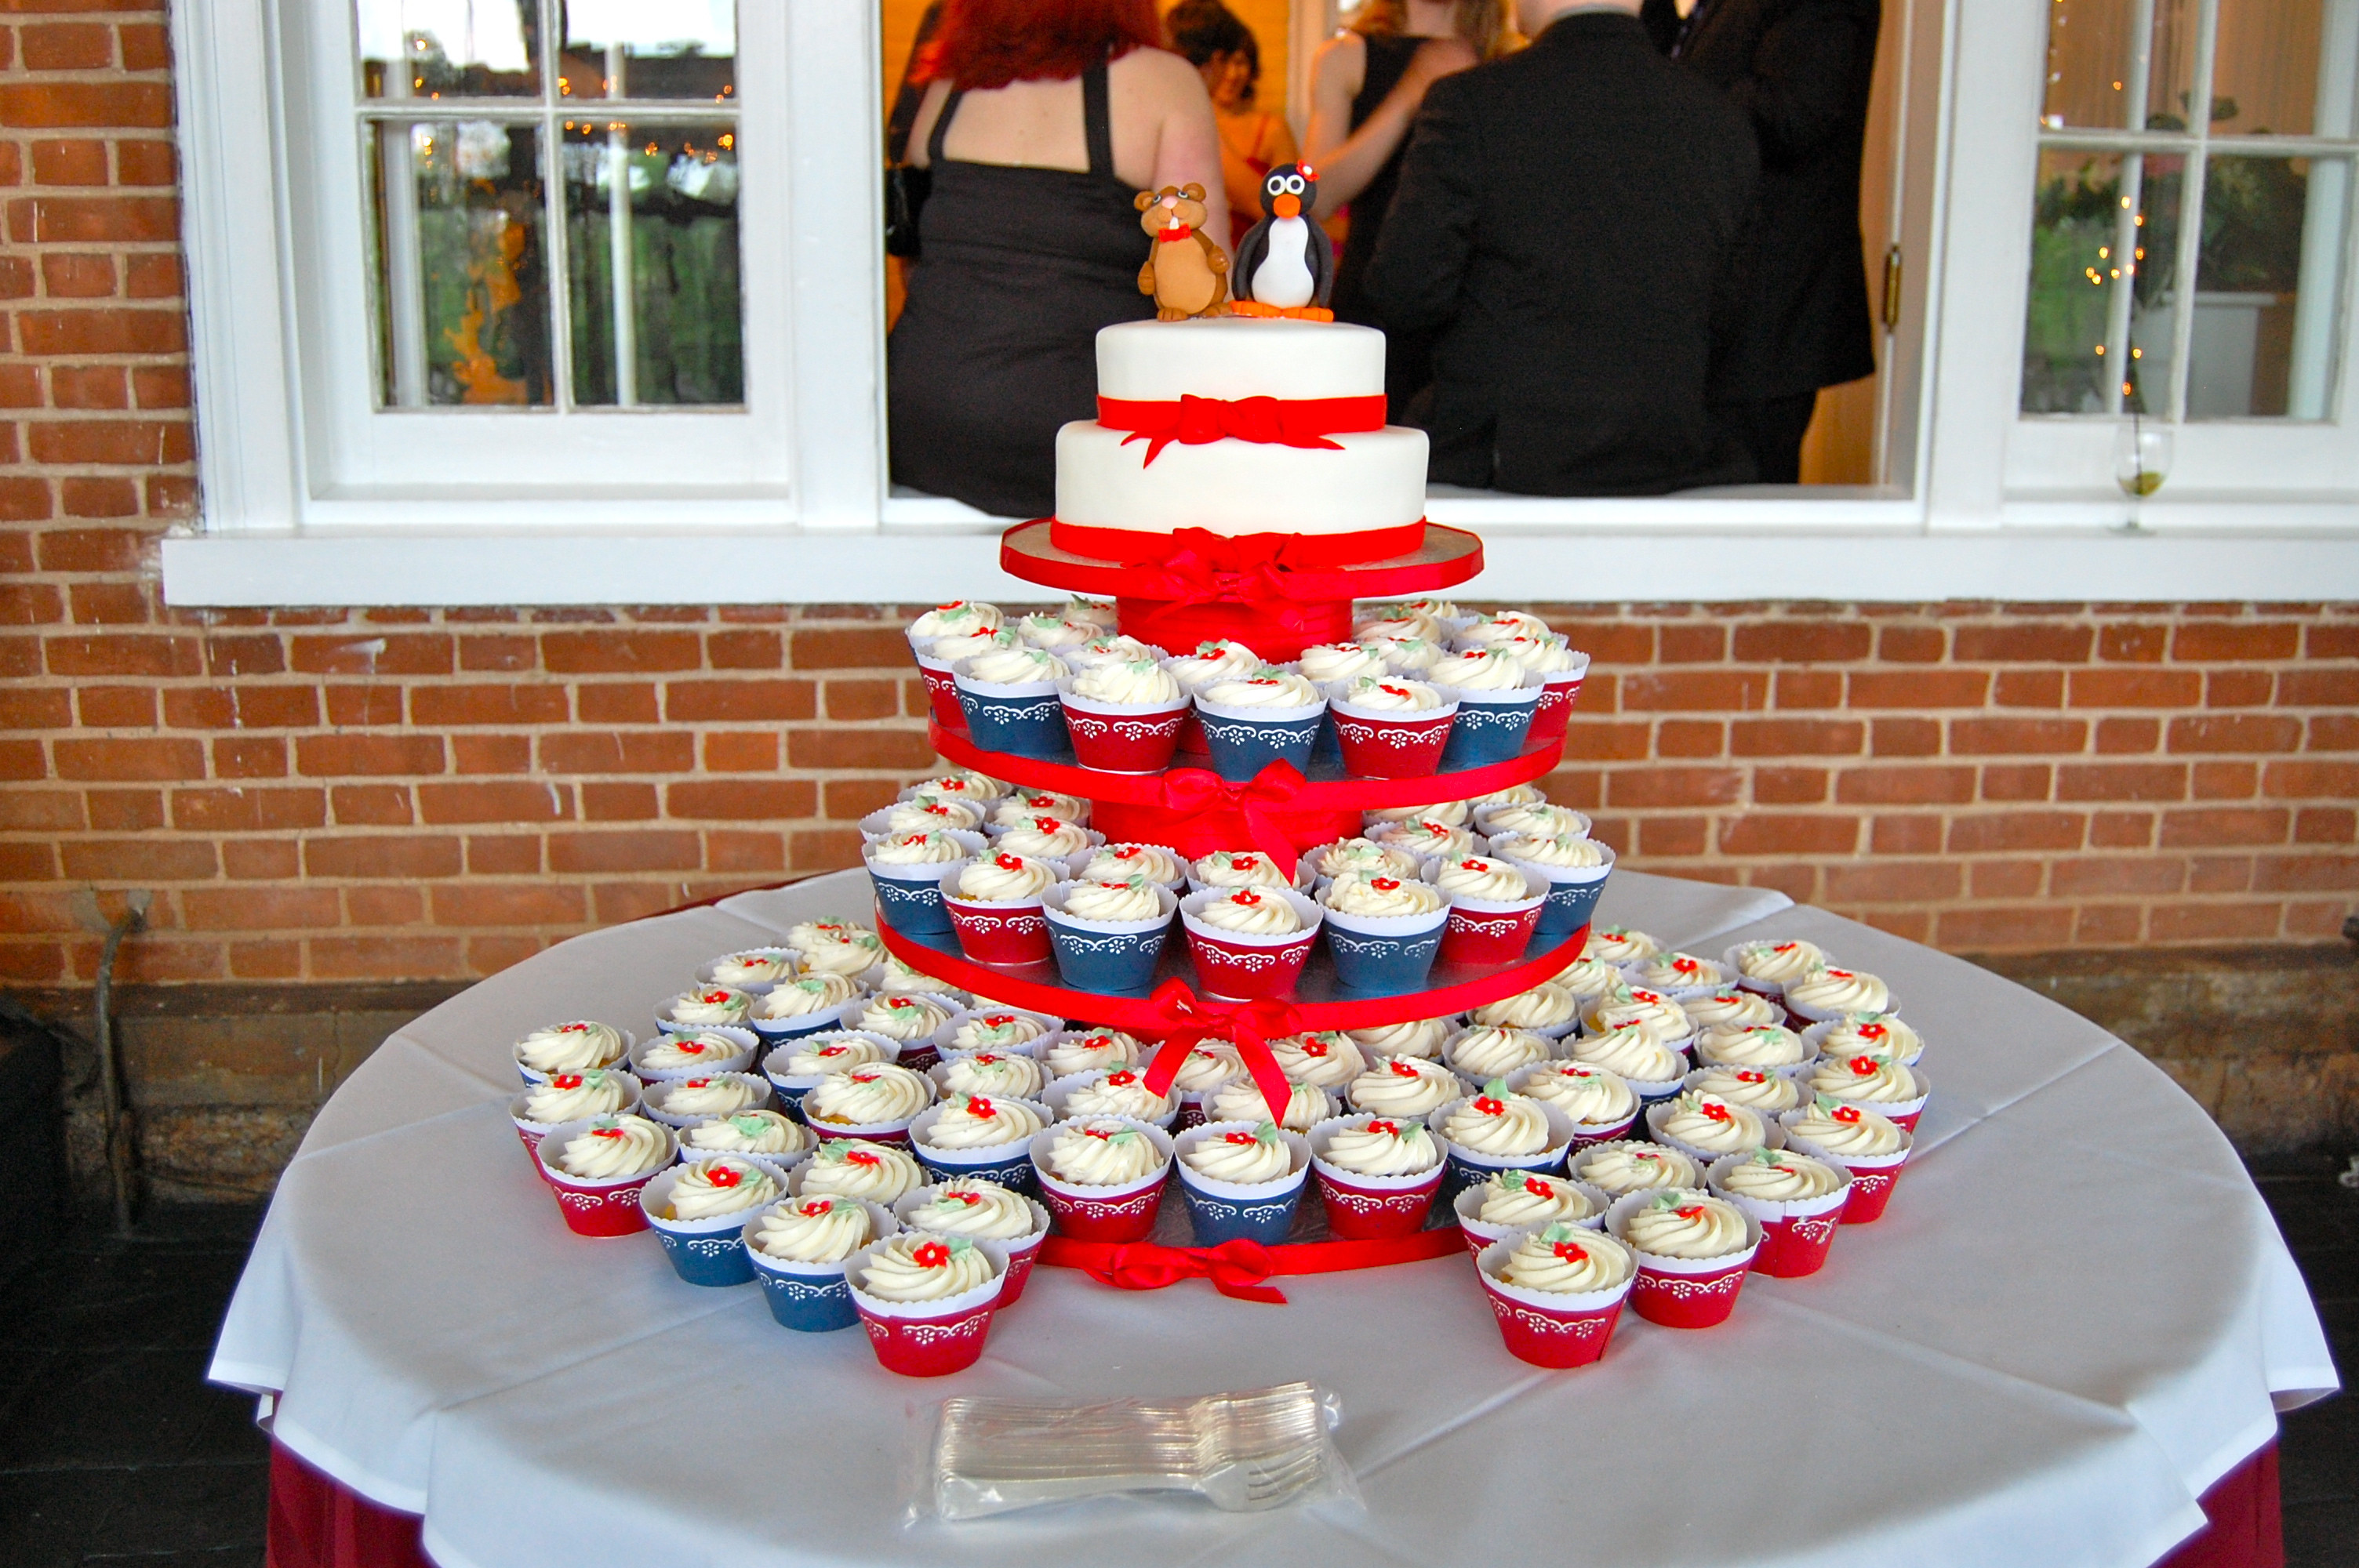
(1567, 222)
(1252, 139)
(1799, 70)
(1041, 118)
(1366, 85)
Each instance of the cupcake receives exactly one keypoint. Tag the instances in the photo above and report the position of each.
(1426, 839)
(980, 1030)
(876, 1101)
(1600, 1106)
(1495, 908)
(1617, 944)
(857, 1168)
(1238, 869)
(981, 1211)
(1324, 663)
(1757, 1089)
(1103, 1176)
(1589, 979)
(995, 904)
(1487, 1051)
(1560, 669)
(1547, 1010)
(978, 1136)
(1209, 660)
(1679, 975)
(1242, 1179)
(1251, 721)
(1376, 1174)
(1498, 1129)
(1519, 1200)
(1364, 856)
(569, 1048)
(991, 1073)
(1127, 862)
(1394, 621)
(1887, 1087)
(1705, 1127)
(926, 1300)
(722, 1185)
(1730, 1007)
(1010, 698)
(1762, 1046)
(1051, 631)
(1390, 726)
(1383, 931)
(905, 870)
(1415, 1037)
(1326, 1058)
(1403, 1088)
(707, 1007)
(1537, 820)
(1099, 612)
(1124, 716)
(700, 1210)
(1406, 655)
(1514, 794)
(966, 784)
(1693, 1251)
(1796, 1201)
(817, 1055)
(1497, 697)
(695, 1055)
(1652, 1014)
(1575, 870)
(1091, 1050)
(1825, 994)
(768, 1133)
(683, 1102)
(1556, 1291)
(1619, 1169)
(1208, 1064)
(957, 619)
(1767, 966)
(906, 1017)
(797, 1247)
(897, 979)
(1652, 1069)
(803, 1005)
(842, 949)
(1020, 809)
(754, 971)
(1878, 1034)
(1449, 813)
(598, 1168)
(1108, 936)
(1050, 838)
(1871, 1146)
(1240, 1099)
(578, 1096)
(1249, 941)
(1111, 648)
(1119, 1092)
(924, 814)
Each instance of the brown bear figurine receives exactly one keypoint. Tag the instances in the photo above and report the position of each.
(1184, 279)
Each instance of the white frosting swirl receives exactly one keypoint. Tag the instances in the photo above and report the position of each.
(726, 1183)
(1539, 820)
(917, 1267)
(916, 849)
(1482, 669)
(1564, 1260)
(1685, 1223)
(1839, 991)
(675, 1052)
(1250, 912)
(1112, 902)
(1847, 1132)
(856, 1168)
(613, 1147)
(1500, 627)
(1678, 971)
(1522, 1198)
(1211, 661)
(1545, 1006)
(1589, 979)
(1328, 662)
(1751, 1045)
(952, 650)
(571, 1048)
(1208, 1064)
(1876, 1035)
(1425, 838)
(926, 814)
(1631, 1055)
(1104, 649)
(1776, 1175)
(1591, 1096)
(1117, 863)
(1404, 655)
(1730, 1009)
(1618, 1168)
(1014, 667)
(1379, 694)
(1328, 1058)
(1269, 687)
(1778, 961)
(1242, 1158)
(1239, 868)
(1480, 877)
(1381, 897)
(1383, 1147)
(1098, 1152)
(1414, 1037)
(1404, 1086)
(749, 1132)
(1240, 1099)
(814, 1230)
(1863, 1080)
(1005, 878)
(1122, 1092)
(576, 1097)
(844, 952)
(1449, 813)
(739, 970)
(1045, 838)
(1099, 612)
(1098, 1050)
(1572, 854)
(1052, 630)
(1489, 1051)
(876, 1094)
(905, 1017)
(1653, 1014)
(1364, 855)
(1140, 683)
(994, 1073)
(958, 617)
(975, 1208)
(979, 1122)
(1497, 1124)
(813, 1055)
(715, 1096)
(995, 1031)
(806, 994)
(1711, 1123)
(963, 784)
(1766, 1092)
(711, 1005)
(1620, 944)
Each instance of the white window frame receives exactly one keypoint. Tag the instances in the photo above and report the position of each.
(1952, 519)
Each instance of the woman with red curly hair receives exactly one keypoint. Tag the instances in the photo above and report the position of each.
(1041, 118)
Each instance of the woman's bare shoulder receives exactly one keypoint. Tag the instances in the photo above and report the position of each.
(1341, 63)
(1158, 74)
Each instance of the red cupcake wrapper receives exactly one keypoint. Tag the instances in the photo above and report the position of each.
(1130, 1217)
(1392, 748)
(1687, 1301)
(1360, 1214)
(1477, 937)
(1555, 709)
(1549, 1334)
(600, 1210)
(1125, 742)
(1000, 933)
(944, 693)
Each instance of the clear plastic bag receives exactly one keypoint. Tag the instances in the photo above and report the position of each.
(1244, 1451)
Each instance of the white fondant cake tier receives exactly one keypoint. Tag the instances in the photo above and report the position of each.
(1231, 487)
(1237, 357)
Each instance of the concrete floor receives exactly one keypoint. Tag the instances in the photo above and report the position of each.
(113, 1449)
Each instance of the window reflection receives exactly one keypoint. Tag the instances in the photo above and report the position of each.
(650, 48)
(450, 48)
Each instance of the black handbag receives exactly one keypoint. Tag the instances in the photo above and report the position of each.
(906, 190)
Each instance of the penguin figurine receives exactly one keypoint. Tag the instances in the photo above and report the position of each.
(1285, 265)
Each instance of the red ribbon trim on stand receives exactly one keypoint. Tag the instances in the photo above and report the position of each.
(1205, 801)
(1239, 1269)
(1300, 559)
(1195, 421)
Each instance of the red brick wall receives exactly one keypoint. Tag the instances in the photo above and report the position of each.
(334, 794)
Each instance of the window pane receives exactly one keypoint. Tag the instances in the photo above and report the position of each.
(2097, 64)
(450, 48)
(650, 48)
(2099, 303)
(463, 303)
(2272, 245)
(2285, 68)
(664, 239)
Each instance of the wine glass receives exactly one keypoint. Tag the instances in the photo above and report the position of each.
(2141, 460)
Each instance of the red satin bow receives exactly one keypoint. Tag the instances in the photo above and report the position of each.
(1183, 1020)
(1209, 806)
(1265, 421)
(1236, 1268)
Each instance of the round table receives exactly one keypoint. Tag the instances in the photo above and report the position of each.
(2075, 1317)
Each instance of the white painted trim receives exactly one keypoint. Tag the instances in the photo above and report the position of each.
(2045, 559)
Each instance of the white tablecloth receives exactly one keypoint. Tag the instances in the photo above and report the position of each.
(2073, 1319)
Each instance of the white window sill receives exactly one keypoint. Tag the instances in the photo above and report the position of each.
(1724, 547)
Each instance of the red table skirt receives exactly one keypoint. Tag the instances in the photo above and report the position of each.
(316, 1523)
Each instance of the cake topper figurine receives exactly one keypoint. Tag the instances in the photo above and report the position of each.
(1284, 266)
(1184, 279)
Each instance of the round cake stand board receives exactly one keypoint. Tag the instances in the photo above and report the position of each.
(1307, 606)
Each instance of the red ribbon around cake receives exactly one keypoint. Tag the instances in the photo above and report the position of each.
(1185, 1020)
(1210, 805)
(1240, 1268)
(1195, 421)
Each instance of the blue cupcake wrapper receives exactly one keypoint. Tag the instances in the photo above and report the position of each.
(1219, 1219)
(913, 908)
(1100, 961)
(1382, 966)
(1241, 748)
(717, 1257)
(1483, 734)
(1569, 907)
(1026, 726)
(804, 1303)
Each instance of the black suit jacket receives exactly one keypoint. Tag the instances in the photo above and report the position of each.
(1801, 70)
(1565, 217)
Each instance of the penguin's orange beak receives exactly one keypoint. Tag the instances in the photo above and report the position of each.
(1287, 206)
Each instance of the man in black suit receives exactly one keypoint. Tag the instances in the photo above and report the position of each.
(1566, 218)
(1799, 71)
